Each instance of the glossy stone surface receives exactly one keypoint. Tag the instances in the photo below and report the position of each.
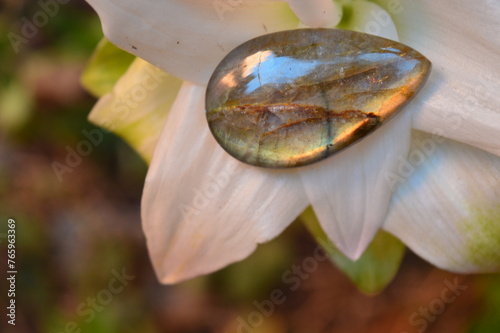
(296, 97)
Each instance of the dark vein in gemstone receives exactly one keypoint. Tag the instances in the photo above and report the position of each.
(296, 97)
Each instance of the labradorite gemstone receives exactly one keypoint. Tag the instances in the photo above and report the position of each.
(296, 97)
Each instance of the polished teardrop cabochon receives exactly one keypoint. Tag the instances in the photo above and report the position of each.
(296, 97)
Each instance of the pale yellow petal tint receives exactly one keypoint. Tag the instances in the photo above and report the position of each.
(138, 106)
(446, 207)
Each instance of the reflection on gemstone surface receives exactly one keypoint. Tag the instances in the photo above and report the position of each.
(296, 97)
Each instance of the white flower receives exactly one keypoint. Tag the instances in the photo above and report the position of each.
(437, 189)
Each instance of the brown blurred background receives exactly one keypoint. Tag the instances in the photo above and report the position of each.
(81, 259)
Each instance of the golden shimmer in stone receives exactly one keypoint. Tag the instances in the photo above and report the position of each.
(295, 97)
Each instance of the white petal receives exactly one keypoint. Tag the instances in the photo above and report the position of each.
(202, 209)
(138, 106)
(448, 209)
(188, 38)
(350, 192)
(461, 39)
(370, 18)
(317, 13)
